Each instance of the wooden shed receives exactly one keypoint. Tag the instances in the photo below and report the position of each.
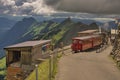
(25, 53)
(87, 33)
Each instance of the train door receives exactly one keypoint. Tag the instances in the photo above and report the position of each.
(80, 45)
(74, 44)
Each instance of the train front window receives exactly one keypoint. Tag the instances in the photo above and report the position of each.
(80, 42)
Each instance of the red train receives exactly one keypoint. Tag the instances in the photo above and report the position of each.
(86, 42)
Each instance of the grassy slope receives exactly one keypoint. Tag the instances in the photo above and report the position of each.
(60, 34)
(43, 71)
(3, 66)
(35, 30)
(57, 32)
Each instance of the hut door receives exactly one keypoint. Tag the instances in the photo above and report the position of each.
(16, 56)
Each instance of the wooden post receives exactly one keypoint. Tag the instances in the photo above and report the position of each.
(50, 68)
(62, 47)
(7, 58)
(36, 71)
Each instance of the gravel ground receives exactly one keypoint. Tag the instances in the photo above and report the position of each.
(87, 65)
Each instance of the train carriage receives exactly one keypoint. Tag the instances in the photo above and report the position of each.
(86, 42)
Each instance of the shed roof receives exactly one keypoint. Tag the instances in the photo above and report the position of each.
(28, 44)
(88, 31)
(86, 37)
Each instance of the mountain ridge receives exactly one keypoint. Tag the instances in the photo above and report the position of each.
(5, 25)
(31, 29)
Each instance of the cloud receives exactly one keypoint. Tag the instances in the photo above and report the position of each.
(24, 7)
(38, 7)
(89, 6)
(7, 2)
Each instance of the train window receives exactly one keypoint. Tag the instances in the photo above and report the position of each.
(74, 41)
(86, 41)
(80, 41)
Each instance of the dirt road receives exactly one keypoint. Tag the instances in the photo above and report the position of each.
(88, 66)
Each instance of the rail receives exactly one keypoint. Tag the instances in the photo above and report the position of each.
(50, 64)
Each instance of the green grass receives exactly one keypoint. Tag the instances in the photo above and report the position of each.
(59, 35)
(3, 66)
(35, 29)
(3, 73)
(43, 70)
(3, 63)
(64, 29)
(53, 26)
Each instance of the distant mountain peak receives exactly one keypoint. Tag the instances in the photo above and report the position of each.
(68, 20)
(93, 24)
(29, 18)
(79, 23)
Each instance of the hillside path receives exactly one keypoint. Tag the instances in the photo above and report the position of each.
(88, 66)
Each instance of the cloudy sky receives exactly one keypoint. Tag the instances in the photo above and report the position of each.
(38, 7)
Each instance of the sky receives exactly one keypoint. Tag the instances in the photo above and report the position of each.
(89, 6)
(38, 7)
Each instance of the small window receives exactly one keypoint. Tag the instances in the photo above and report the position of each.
(16, 56)
(45, 48)
(74, 41)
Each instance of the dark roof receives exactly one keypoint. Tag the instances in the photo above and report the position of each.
(28, 44)
(86, 37)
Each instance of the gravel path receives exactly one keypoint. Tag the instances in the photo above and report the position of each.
(88, 66)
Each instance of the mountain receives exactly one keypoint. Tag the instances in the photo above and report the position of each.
(17, 31)
(85, 21)
(56, 31)
(5, 25)
(75, 28)
(30, 29)
(110, 24)
(107, 26)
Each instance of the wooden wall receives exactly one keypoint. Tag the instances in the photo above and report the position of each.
(36, 52)
(26, 57)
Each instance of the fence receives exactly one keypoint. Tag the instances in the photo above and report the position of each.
(48, 68)
(54, 58)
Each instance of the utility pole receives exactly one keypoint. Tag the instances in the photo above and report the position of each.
(50, 67)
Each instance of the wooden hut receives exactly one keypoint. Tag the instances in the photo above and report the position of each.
(25, 53)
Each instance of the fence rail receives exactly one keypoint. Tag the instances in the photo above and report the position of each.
(50, 64)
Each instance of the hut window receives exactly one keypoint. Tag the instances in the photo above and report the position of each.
(45, 47)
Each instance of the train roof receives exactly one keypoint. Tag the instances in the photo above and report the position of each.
(88, 31)
(86, 37)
